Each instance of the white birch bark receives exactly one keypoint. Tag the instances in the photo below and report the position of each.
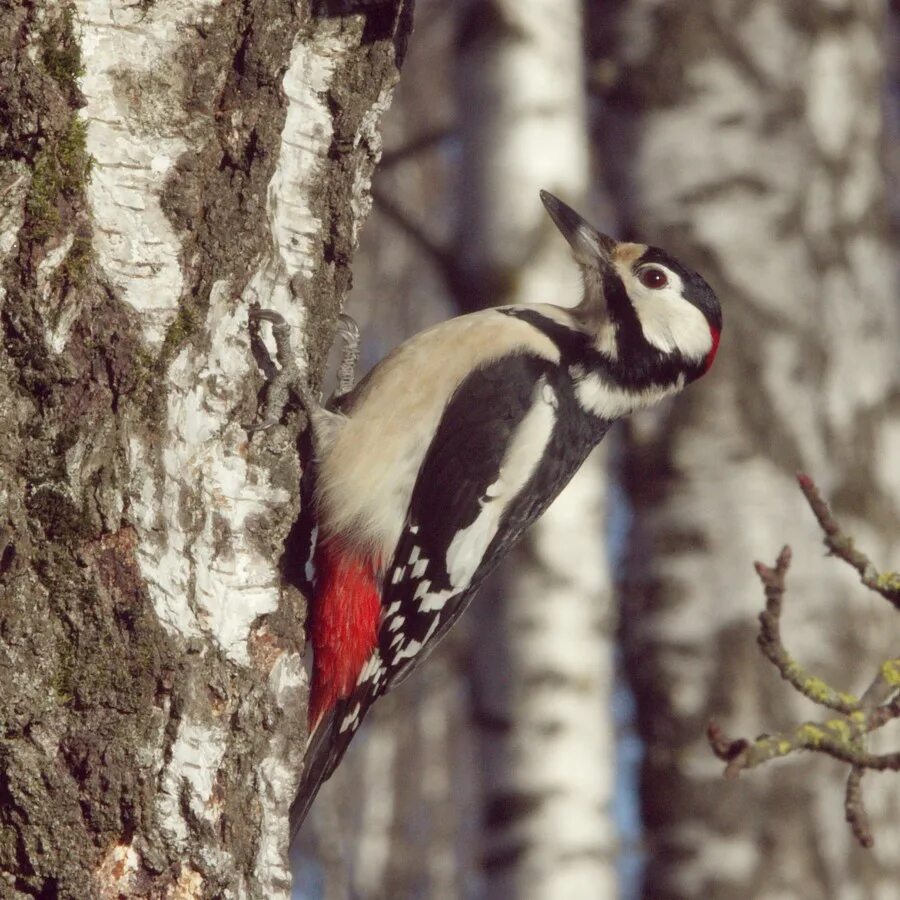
(745, 138)
(543, 674)
(151, 661)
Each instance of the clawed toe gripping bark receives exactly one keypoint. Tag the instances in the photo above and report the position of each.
(285, 379)
(348, 331)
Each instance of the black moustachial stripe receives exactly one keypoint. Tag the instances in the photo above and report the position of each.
(638, 364)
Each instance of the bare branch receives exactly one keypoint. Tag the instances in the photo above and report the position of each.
(838, 737)
(773, 649)
(420, 144)
(883, 688)
(841, 545)
(855, 809)
(844, 736)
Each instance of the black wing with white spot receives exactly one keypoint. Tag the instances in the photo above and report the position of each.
(419, 598)
(510, 439)
(458, 501)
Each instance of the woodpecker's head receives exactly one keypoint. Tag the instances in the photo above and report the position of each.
(645, 308)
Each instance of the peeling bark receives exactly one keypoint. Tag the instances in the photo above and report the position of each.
(746, 139)
(162, 165)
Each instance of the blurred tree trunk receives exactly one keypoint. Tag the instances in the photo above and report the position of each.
(543, 658)
(161, 166)
(746, 138)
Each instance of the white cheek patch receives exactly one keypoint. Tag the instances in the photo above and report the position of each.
(669, 322)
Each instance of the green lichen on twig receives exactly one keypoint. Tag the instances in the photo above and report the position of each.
(843, 736)
(888, 583)
(773, 649)
(841, 545)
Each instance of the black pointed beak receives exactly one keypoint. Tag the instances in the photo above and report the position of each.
(590, 246)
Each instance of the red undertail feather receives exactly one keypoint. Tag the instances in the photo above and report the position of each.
(343, 624)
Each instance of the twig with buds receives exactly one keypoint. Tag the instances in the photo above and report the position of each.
(841, 736)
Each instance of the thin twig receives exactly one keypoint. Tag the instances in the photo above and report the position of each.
(842, 737)
(841, 545)
(773, 649)
(883, 688)
(855, 808)
(835, 737)
(414, 146)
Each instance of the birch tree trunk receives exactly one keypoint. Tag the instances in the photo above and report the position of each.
(543, 673)
(746, 139)
(163, 165)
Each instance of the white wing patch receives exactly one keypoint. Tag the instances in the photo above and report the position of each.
(405, 413)
(524, 453)
(432, 601)
(411, 648)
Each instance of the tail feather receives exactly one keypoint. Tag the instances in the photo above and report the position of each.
(343, 630)
(327, 746)
(322, 756)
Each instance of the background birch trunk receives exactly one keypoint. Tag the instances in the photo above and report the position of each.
(163, 165)
(542, 679)
(746, 139)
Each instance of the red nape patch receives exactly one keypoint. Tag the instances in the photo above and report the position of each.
(343, 625)
(710, 357)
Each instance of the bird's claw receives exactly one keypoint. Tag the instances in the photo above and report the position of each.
(281, 381)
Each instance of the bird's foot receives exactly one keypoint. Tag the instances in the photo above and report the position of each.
(283, 379)
(348, 331)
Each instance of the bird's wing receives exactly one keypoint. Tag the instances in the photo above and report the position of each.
(508, 442)
(491, 439)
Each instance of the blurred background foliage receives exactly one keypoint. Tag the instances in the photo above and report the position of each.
(554, 746)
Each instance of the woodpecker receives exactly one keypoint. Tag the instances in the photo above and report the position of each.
(431, 469)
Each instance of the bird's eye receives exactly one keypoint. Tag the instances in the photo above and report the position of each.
(653, 278)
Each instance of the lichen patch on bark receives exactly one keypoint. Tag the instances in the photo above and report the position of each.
(154, 696)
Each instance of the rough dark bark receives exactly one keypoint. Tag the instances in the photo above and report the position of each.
(149, 735)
